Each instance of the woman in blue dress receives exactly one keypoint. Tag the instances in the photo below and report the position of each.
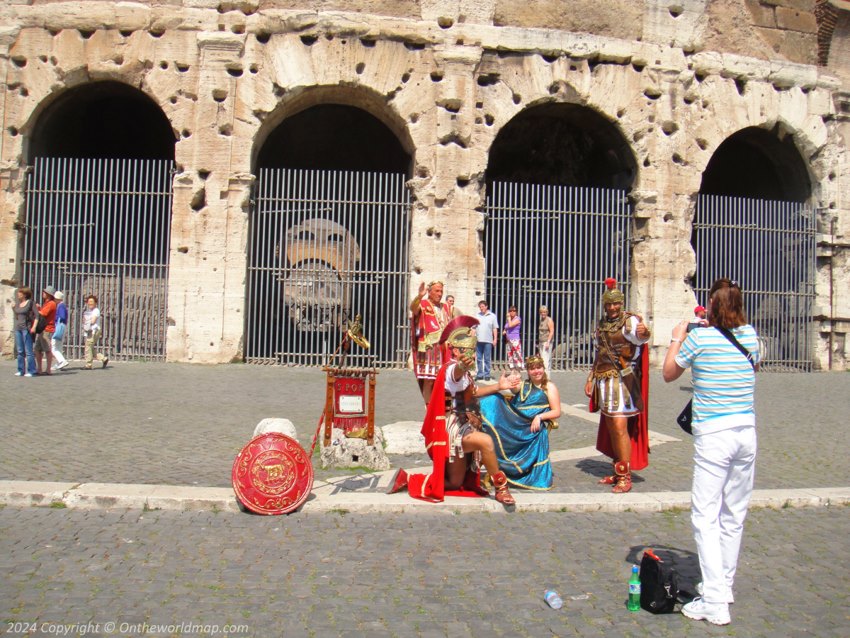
(520, 427)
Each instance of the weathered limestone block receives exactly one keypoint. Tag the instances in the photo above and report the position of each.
(404, 437)
(274, 424)
(353, 453)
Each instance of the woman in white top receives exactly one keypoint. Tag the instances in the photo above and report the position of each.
(92, 330)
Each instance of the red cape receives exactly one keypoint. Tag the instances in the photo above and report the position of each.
(432, 487)
(638, 425)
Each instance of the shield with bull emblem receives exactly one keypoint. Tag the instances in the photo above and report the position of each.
(272, 474)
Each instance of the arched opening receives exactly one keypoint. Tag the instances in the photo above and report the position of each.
(98, 200)
(558, 222)
(103, 120)
(752, 223)
(329, 238)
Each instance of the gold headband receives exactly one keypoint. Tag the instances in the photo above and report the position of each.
(534, 360)
(436, 281)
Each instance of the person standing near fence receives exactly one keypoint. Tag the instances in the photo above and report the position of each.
(429, 315)
(24, 318)
(545, 335)
(487, 332)
(44, 340)
(92, 331)
(723, 359)
(61, 328)
(513, 333)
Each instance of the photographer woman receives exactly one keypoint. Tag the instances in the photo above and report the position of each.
(724, 440)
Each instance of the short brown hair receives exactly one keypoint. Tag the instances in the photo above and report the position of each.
(26, 292)
(726, 305)
(92, 297)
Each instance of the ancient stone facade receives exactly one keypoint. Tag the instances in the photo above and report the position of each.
(675, 78)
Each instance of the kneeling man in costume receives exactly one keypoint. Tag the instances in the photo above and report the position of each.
(452, 427)
(618, 385)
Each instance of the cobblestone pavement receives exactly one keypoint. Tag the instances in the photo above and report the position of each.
(181, 424)
(392, 575)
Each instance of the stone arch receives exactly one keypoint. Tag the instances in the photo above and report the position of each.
(102, 119)
(563, 144)
(352, 120)
(758, 163)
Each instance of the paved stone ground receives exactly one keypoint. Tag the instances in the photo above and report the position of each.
(183, 425)
(392, 575)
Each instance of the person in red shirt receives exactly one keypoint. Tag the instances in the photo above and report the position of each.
(44, 341)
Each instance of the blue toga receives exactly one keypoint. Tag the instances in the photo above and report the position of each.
(523, 454)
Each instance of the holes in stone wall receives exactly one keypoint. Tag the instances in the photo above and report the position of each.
(367, 42)
(675, 10)
(125, 33)
(489, 119)
(203, 173)
(185, 133)
(253, 68)
(405, 77)
(652, 93)
(436, 76)
(219, 95)
(182, 68)
(226, 130)
(678, 159)
(462, 182)
(638, 67)
(263, 37)
(157, 32)
(414, 46)
(516, 98)
(488, 79)
(234, 71)
(199, 199)
(360, 68)
(238, 28)
(309, 40)
(19, 61)
(414, 118)
(669, 127)
(646, 162)
(445, 22)
(12, 131)
(701, 143)
(740, 85)
(163, 65)
(549, 58)
(86, 33)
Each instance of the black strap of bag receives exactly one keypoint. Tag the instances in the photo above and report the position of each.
(686, 416)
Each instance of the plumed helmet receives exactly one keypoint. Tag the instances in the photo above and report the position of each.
(460, 332)
(612, 295)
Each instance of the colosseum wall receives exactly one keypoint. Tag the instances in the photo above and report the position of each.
(675, 79)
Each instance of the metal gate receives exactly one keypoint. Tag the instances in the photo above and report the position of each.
(102, 227)
(324, 247)
(554, 246)
(769, 248)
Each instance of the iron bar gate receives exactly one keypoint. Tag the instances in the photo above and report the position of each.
(769, 248)
(324, 247)
(102, 227)
(554, 246)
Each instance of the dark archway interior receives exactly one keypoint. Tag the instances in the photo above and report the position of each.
(758, 164)
(103, 120)
(334, 137)
(562, 144)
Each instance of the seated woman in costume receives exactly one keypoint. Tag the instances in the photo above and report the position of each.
(520, 427)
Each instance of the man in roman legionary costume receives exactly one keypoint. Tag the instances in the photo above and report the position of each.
(429, 317)
(452, 427)
(618, 386)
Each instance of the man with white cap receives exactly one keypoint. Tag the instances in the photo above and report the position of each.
(59, 333)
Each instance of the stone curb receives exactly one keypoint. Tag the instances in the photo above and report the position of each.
(323, 499)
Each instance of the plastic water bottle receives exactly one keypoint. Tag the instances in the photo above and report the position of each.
(634, 590)
(553, 599)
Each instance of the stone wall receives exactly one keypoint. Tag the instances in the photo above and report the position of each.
(668, 76)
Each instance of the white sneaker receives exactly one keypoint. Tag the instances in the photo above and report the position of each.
(64, 364)
(730, 599)
(28, 374)
(715, 613)
(19, 374)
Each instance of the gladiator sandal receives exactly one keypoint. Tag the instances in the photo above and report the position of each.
(610, 479)
(623, 478)
(399, 482)
(503, 496)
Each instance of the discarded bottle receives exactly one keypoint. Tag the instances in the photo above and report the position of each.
(553, 599)
(634, 590)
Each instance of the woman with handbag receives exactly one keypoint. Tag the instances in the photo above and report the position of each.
(723, 358)
(24, 317)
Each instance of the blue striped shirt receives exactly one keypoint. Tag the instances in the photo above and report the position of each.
(723, 378)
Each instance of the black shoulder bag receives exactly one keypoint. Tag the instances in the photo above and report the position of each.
(686, 416)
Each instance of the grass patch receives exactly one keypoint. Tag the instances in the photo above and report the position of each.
(58, 505)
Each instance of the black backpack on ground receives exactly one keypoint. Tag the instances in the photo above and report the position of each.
(659, 585)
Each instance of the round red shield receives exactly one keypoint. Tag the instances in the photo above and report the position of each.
(272, 474)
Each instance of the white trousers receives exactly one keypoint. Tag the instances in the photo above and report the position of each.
(724, 469)
(56, 347)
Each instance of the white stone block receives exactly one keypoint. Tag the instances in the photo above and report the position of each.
(284, 426)
(404, 437)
